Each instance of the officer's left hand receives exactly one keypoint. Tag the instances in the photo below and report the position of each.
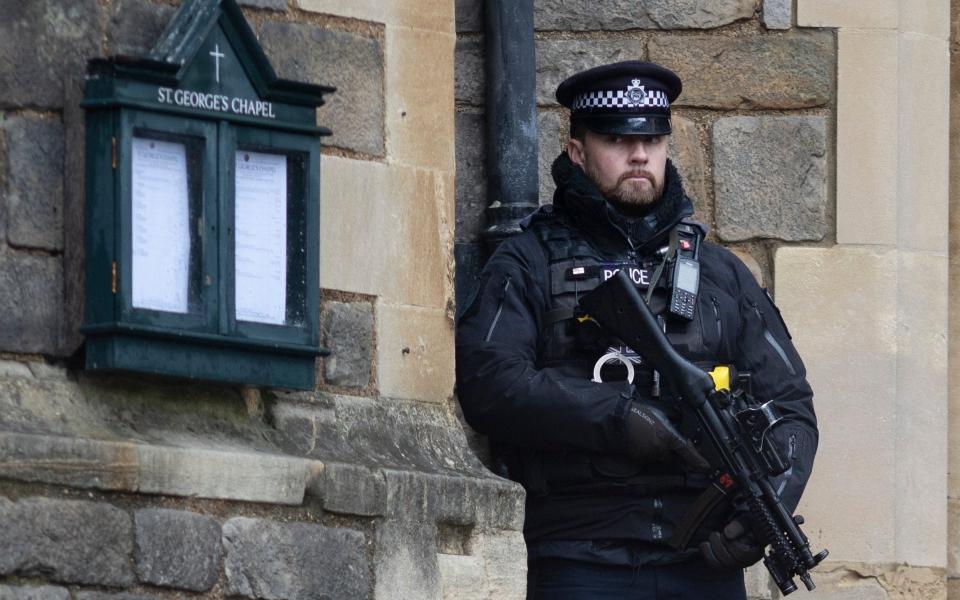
(732, 548)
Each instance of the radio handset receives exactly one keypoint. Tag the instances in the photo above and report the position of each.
(685, 246)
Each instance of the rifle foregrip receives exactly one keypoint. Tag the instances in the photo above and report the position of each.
(617, 306)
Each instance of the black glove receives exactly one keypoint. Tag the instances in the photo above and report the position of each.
(653, 438)
(733, 548)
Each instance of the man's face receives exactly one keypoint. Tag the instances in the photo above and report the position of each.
(628, 169)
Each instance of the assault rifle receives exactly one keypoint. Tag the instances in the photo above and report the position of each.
(736, 425)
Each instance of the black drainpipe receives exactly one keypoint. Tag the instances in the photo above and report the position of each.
(511, 111)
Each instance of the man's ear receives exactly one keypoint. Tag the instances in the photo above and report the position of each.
(575, 151)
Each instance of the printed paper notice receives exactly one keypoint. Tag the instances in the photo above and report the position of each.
(161, 226)
(261, 227)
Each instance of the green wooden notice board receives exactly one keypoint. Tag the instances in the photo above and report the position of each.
(202, 208)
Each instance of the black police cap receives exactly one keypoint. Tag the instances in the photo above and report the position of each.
(631, 97)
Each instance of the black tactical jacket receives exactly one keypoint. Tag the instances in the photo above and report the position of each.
(563, 436)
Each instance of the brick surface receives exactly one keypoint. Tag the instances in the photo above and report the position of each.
(31, 292)
(294, 561)
(33, 196)
(578, 15)
(348, 332)
(766, 188)
(43, 44)
(66, 541)
(177, 549)
(351, 62)
(794, 70)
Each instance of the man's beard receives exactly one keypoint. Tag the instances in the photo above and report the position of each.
(627, 197)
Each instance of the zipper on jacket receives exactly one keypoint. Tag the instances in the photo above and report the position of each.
(772, 340)
(496, 318)
(791, 452)
(716, 313)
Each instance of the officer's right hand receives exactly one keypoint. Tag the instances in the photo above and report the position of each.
(653, 438)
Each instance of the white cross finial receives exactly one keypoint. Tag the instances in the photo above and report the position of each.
(217, 55)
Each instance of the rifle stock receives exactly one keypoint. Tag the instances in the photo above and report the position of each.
(618, 307)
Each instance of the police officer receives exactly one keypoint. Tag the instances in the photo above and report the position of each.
(609, 458)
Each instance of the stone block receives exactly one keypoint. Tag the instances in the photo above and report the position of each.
(766, 188)
(76, 462)
(471, 182)
(616, 15)
(842, 309)
(923, 199)
(849, 585)
(751, 263)
(922, 386)
(867, 132)
(431, 15)
(406, 565)
(854, 14)
(927, 18)
(953, 535)
(777, 14)
(353, 490)
(280, 5)
(686, 153)
(350, 61)
(758, 583)
(136, 25)
(410, 436)
(66, 541)
(31, 290)
(505, 562)
(33, 197)
(362, 201)
(455, 499)
(294, 561)
(120, 596)
(549, 127)
(40, 592)
(469, 15)
(469, 74)
(253, 477)
(794, 70)
(45, 45)
(348, 333)
(414, 353)
(297, 426)
(419, 100)
(559, 59)
(175, 548)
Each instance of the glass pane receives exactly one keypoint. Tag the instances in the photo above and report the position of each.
(261, 237)
(161, 226)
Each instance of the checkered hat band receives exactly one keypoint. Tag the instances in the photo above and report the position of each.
(619, 99)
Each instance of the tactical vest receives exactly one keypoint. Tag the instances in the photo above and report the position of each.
(575, 268)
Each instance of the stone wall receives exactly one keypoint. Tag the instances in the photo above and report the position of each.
(127, 486)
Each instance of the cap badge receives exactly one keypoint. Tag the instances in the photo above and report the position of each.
(636, 92)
